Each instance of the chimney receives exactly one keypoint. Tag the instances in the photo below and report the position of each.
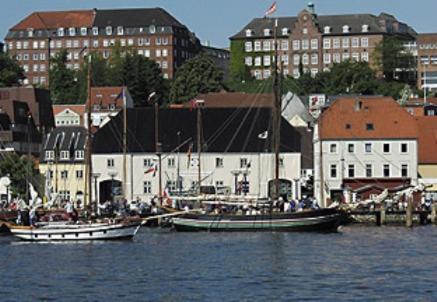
(311, 8)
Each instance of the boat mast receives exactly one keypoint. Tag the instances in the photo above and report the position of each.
(158, 150)
(124, 142)
(88, 167)
(276, 118)
(199, 143)
(29, 116)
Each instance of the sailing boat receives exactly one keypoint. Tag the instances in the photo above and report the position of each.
(322, 220)
(124, 229)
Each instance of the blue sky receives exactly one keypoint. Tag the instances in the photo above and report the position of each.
(216, 20)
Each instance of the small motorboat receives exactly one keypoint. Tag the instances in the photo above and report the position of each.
(76, 231)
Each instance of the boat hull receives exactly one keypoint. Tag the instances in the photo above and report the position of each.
(76, 233)
(325, 220)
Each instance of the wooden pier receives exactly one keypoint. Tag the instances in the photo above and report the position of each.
(408, 217)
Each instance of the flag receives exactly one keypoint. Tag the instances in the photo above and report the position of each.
(190, 148)
(152, 169)
(167, 198)
(271, 9)
(263, 135)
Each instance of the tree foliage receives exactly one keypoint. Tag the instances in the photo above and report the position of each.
(10, 72)
(196, 76)
(64, 84)
(239, 72)
(17, 168)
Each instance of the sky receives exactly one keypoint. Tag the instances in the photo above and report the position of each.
(214, 21)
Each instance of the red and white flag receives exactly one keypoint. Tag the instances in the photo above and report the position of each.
(271, 9)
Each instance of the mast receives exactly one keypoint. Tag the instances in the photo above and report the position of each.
(29, 116)
(199, 104)
(158, 150)
(88, 167)
(124, 143)
(178, 182)
(276, 118)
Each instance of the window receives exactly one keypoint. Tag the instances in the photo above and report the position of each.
(243, 163)
(351, 170)
(365, 28)
(296, 44)
(370, 127)
(386, 170)
(60, 32)
(404, 170)
(296, 60)
(333, 171)
(219, 162)
(314, 44)
(404, 148)
(171, 162)
(267, 32)
(314, 59)
(386, 148)
(122, 42)
(285, 31)
(305, 31)
(345, 42)
(266, 60)
(355, 42)
(35, 45)
(284, 44)
(333, 148)
(305, 44)
(79, 154)
(65, 155)
(95, 43)
(257, 45)
(336, 43)
(64, 174)
(336, 58)
(368, 147)
(248, 61)
(364, 42)
(355, 56)
(266, 45)
(326, 58)
(365, 56)
(72, 31)
(326, 43)
(148, 162)
(50, 155)
(369, 170)
(326, 29)
(147, 187)
(248, 46)
(258, 61)
(108, 30)
(110, 162)
(248, 33)
(351, 148)
(83, 31)
(79, 174)
(284, 59)
(305, 59)
(346, 56)
(266, 73)
(95, 31)
(345, 29)
(130, 42)
(120, 30)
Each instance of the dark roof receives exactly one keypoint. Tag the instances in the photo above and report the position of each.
(135, 17)
(224, 130)
(377, 24)
(65, 139)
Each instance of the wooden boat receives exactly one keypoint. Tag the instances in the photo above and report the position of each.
(322, 220)
(74, 232)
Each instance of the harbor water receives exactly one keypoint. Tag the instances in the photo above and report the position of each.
(358, 263)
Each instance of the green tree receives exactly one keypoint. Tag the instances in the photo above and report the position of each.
(238, 70)
(197, 75)
(17, 168)
(393, 59)
(10, 72)
(64, 82)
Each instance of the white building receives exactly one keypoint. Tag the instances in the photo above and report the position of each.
(69, 115)
(368, 144)
(235, 156)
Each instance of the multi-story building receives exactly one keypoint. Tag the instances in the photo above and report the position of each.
(151, 32)
(63, 162)
(362, 146)
(69, 115)
(426, 48)
(311, 42)
(220, 57)
(236, 156)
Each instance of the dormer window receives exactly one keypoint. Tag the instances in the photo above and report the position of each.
(365, 28)
(79, 154)
(95, 31)
(248, 33)
(60, 32)
(152, 29)
(72, 31)
(346, 29)
(30, 32)
(267, 32)
(65, 155)
(120, 30)
(83, 31)
(285, 31)
(111, 106)
(108, 30)
(327, 30)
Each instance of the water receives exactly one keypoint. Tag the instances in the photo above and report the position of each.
(359, 263)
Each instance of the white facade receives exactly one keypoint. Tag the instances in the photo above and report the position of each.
(218, 169)
(361, 159)
(67, 117)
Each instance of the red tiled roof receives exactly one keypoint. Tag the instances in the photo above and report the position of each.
(105, 96)
(427, 139)
(235, 99)
(426, 38)
(57, 19)
(351, 117)
(79, 109)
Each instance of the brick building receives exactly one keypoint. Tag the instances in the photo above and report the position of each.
(426, 45)
(151, 32)
(313, 41)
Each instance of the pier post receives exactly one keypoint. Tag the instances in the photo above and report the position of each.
(434, 213)
(409, 214)
(378, 218)
(382, 215)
